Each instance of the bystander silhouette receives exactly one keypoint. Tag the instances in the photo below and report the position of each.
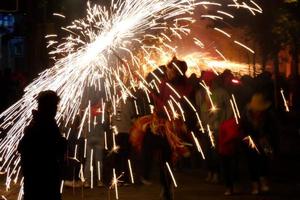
(42, 150)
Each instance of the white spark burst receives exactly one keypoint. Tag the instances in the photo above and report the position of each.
(103, 51)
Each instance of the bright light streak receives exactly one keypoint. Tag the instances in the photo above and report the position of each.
(252, 145)
(214, 17)
(236, 107)
(200, 123)
(20, 195)
(208, 92)
(136, 107)
(61, 186)
(211, 136)
(234, 112)
(92, 168)
(130, 171)
(3, 197)
(221, 54)
(188, 101)
(81, 175)
(244, 46)
(99, 170)
(199, 43)
(256, 5)
(174, 64)
(171, 174)
(166, 111)
(59, 15)
(223, 32)
(225, 13)
(115, 183)
(50, 35)
(198, 145)
(175, 92)
(75, 152)
(284, 101)
(105, 141)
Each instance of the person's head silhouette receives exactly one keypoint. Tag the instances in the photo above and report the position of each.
(47, 103)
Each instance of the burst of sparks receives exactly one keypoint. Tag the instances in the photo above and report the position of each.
(91, 56)
(115, 182)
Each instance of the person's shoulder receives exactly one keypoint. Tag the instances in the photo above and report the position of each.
(29, 128)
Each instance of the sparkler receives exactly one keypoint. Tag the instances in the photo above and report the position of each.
(86, 58)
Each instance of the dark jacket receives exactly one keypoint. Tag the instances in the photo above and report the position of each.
(42, 150)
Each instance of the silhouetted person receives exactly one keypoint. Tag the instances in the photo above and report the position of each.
(42, 150)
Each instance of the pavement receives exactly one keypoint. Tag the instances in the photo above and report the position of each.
(284, 178)
(285, 185)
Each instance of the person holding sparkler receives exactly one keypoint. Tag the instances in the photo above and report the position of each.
(42, 150)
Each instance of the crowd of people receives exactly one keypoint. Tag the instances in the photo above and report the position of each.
(147, 130)
(228, 117)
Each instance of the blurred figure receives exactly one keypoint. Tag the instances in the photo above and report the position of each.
(42, 150)
(227, 78)
(213, 111)
(229, 142)
(245, 92)
(145, 159)
(74, 159)
(259, 122)
(264, 85)
(121, 124)
(169, 134)
(95, 146)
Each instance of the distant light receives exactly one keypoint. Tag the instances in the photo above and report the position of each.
(235, 81)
